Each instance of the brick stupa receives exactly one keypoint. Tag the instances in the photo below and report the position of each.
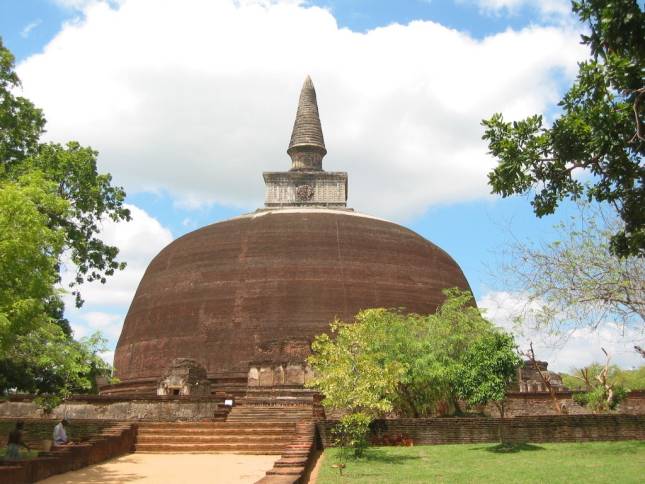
(245, 297)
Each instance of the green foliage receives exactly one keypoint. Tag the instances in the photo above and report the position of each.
(601, 129)
(489, 366)
(597, 398)
(628, 379)
(388, 361)
(351, 432)
(52, 200)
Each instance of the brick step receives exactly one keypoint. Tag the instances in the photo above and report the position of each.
(266, 417)
(171, 448)
(205, 439)
(287, 425)
(291, 462)
(223, 431)
(286, 471)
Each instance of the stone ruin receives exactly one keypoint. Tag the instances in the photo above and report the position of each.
(274, 375)
(529, 379)
(184, 376)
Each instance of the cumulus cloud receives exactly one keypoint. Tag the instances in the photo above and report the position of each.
(198, 97)
(577, 349)
(138, 241)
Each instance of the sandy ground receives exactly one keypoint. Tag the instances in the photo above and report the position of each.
(171, 468)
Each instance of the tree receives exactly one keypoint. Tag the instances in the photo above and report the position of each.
(52, 200)
(576, 281)
(488, 367)
(386, 361)
(602, 392)
(601, 130)
(545, 376)
(629, 379)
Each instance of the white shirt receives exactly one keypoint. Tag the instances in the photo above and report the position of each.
(60, 436)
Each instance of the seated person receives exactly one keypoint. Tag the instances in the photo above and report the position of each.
(14, 442)
(60, 435)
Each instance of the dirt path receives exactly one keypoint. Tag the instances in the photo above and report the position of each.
(172, 468)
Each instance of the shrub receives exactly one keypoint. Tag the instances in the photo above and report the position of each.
(351, 433)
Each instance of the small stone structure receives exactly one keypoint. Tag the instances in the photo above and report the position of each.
(184, 377)
(529, 379)
(265, 374)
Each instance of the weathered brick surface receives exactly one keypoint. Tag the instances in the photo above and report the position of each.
(523, 404)
(297, 457)
(260, 287)
(111, 408)
(105, 444)
(548, 428)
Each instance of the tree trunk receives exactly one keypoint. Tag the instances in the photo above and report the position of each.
(500, 427)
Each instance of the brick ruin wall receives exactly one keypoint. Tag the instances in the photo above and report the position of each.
(548, 428)
(203, 408)
(95, 442)
(520, 404)
(117, 408)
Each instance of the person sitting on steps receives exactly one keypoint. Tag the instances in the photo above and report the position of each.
(60, 435)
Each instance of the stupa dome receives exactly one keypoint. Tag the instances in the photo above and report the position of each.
(256, 289)
(261, 286)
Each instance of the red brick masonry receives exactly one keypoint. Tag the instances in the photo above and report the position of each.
(547, 428)
(110, 442)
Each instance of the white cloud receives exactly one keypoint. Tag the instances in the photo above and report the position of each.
(108, 324)
(138, 241)
(80, 4)
(108, 356)
(575, 350)
(24, 33)
(198, 97)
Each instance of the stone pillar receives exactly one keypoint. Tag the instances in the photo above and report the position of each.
(278, 375)
(295, 375)
(266, 376)
(253, 378)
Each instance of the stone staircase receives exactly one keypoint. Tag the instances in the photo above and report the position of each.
(243, 413)
(259, 423)
(250, 437)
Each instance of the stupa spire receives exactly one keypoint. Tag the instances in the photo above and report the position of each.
(307, 146)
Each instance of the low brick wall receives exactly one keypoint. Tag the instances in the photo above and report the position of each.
(36, 430)
(110, 442)
(94, 407)
(548, 428)
(540, 403)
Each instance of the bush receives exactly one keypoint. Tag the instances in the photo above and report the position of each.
(351, 433)
(597, 399)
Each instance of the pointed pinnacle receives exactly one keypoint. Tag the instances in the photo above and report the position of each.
(307, 146)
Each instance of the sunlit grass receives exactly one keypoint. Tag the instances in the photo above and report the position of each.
(622, 462)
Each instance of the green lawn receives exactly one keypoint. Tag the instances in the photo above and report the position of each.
(604, 462)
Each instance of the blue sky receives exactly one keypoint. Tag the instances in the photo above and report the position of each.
(141, 81)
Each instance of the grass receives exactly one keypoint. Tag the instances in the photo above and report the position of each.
(24, 453)
(588, 462)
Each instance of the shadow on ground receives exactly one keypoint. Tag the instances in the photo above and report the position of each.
(377, 455)
(511, 448)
